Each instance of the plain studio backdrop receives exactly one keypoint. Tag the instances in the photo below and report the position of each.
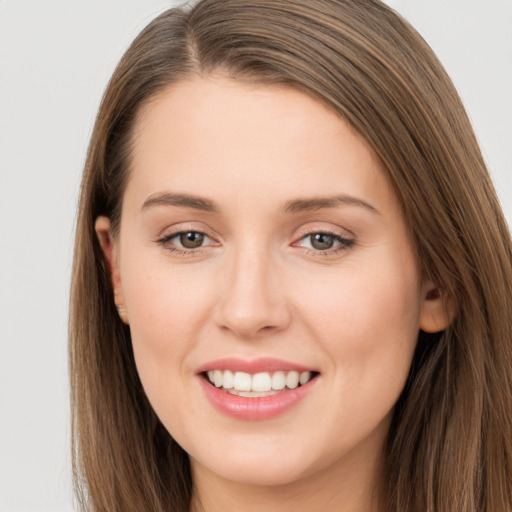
(55, 59)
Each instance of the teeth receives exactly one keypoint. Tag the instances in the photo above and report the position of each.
(218, 378)
(304, 377)
(228, 380)
(292, 380)
(242, 381)
(278, 380)
(252, 394)
(259, 384)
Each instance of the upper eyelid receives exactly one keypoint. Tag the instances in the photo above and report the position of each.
(338, 232)
(165, 243)
(205, 232)
(176, 234)
(325, 232)
(344, 241)
(345, 238)
(184, 227)
(166, 238)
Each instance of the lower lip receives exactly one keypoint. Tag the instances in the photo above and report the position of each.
(258, 408)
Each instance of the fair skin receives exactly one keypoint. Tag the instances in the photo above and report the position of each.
(333, 287)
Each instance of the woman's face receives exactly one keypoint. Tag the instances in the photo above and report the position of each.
(260, 236)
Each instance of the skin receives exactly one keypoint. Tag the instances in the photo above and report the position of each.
(258, 287)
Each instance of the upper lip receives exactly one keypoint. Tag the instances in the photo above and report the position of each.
(264, 364)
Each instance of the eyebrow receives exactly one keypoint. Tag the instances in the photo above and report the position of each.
(293, 206)
(318, 203)
(189, 201)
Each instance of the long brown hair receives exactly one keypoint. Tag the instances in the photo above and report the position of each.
(450, 444)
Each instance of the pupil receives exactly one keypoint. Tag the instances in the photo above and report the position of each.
(322, 241)
(191, 240)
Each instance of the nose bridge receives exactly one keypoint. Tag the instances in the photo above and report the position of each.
(252, 296)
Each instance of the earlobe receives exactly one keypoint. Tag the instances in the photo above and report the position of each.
(103, 230)
(437, 311)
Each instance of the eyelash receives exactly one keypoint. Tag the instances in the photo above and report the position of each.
(345, 243)
(164, 242)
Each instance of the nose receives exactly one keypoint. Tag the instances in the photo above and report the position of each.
(252, 299)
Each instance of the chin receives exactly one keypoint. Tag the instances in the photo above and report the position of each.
(272, 462)
(261, 472)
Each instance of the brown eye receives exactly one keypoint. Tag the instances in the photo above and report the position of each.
(325, 243)
(321, 241)
(192, 239)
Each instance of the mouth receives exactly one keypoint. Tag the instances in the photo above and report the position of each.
(257, 385)
(257, 389)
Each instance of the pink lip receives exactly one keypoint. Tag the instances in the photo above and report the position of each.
(253, 409)
(265, 364)
(258, 408)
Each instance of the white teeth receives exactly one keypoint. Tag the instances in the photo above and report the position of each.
(304, 377)
(252, 394)
(292, 380)
(242, 381)
(278, 380)
(218, 378)
(259, 384)
(229, 379)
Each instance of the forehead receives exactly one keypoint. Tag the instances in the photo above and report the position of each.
(210, 103)
(206, 132)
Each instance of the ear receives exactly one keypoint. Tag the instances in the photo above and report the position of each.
(438, 309)
(104, 233)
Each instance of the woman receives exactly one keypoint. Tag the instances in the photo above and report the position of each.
(292, 281)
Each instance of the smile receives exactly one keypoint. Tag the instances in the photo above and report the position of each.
(260, 389)
(259, 384)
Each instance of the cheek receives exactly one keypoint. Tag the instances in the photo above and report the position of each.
(367, 325)
(367, 321)
(166, 311)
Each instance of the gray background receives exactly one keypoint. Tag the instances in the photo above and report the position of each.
(55, 59)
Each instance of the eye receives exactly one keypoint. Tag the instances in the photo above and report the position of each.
(325, 242)
(191, 239)
(185, 241)
(322, 241)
